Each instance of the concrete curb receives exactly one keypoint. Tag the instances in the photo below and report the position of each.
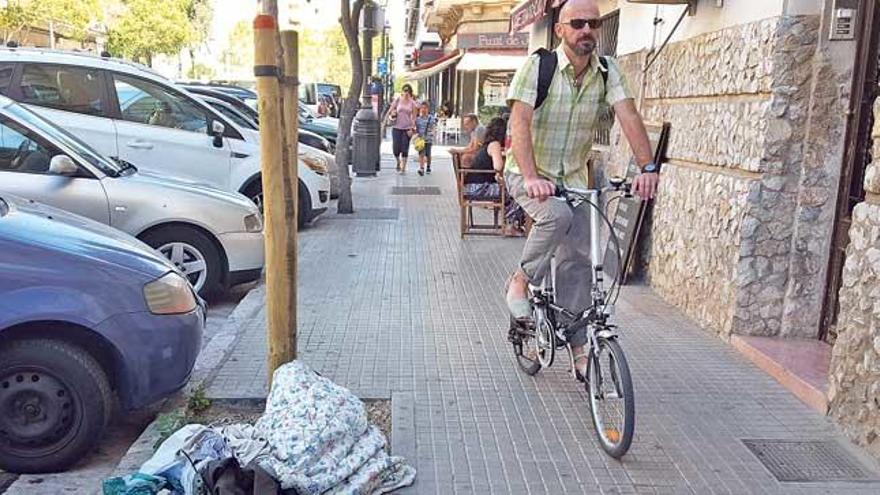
(212, 356)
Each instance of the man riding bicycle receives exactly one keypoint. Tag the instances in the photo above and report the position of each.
(552, 127)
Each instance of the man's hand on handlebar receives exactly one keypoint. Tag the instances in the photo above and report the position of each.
(539, 188)
(645, 185)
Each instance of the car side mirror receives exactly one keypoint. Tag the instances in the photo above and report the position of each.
(62, 165)
(218, 130)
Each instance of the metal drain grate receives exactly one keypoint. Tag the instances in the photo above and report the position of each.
(369, 214)
(415, 191)
(805, 461)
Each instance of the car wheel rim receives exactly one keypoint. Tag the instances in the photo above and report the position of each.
(38, 412)
(189, 260)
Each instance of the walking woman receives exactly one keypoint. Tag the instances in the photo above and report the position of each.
(403, 114)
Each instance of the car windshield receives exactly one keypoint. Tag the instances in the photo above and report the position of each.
(52, 131)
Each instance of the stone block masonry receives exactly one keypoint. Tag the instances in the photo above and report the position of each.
(854, 382)
(736, 233)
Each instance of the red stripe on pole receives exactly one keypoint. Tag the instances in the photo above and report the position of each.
(264, 21)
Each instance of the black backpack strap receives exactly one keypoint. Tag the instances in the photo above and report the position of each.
(546, 71)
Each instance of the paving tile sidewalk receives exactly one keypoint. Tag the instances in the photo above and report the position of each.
(402, 307)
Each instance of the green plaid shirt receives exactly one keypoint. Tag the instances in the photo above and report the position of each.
(563, 128)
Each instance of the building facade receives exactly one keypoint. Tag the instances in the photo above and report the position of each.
(767, 222)
(478, 54)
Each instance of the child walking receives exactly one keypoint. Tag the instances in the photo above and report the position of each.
(426, 122)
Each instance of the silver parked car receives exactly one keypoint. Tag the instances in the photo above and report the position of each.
(214, 237)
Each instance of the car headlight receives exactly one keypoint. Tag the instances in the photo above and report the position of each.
(253, 223)
(170, 294)
(316, 163)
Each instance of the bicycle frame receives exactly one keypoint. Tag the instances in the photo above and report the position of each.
(576, 198)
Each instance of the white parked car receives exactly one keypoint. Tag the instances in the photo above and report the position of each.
(214, 237)
(128, 111)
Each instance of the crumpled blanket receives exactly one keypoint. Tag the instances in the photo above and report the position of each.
(321, 441)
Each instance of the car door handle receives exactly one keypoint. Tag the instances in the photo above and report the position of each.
(140, 145)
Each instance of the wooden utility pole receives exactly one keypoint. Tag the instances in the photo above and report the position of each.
(290, 169)
(278, 210)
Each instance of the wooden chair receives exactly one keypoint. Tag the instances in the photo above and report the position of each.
(467, 223)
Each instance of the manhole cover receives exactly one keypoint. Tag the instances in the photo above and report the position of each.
(791, 460)
(369, 214)
(415, 191)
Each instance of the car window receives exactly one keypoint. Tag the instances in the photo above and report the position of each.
(5, 77)
(58, 134)
(22, 151)
(74, 89)
(147, 103)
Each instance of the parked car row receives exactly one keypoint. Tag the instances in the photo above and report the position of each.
(247, 118)
(124, 199)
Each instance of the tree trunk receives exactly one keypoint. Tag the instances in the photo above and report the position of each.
(350, 19)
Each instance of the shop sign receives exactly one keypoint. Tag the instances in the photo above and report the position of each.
(493, 40)
(527, 13)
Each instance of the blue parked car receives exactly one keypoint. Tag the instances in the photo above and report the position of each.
(89, 317)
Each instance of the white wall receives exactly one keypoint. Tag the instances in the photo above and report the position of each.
(637, 32)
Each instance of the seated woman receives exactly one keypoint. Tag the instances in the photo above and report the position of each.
(490, 156)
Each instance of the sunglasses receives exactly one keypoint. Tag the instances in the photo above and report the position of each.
(580, 23)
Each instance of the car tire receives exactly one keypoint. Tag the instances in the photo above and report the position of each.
(254, 192)
(304, 206)
(60, 401)
(196, 246)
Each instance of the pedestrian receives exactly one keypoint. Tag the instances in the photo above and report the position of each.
(426, 124)
(490, 156)
(323, 107)
(476, 135)
(402, 114)
(544, 159)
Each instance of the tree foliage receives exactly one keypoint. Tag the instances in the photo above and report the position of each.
(151, 27)
(73, 17)
(200, 13)
(324, 56)
(238, 56)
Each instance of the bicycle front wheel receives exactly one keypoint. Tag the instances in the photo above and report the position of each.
(612, 401)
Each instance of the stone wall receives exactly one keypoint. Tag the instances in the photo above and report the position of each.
(725, 221)
(854, 381)
(817, 193)
(766, 248)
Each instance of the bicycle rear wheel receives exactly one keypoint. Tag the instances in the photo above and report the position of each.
(525, 347)
(612, 401)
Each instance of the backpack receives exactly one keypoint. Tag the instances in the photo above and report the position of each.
(547, 69)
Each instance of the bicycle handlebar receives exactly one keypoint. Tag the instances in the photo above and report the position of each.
(616, 184)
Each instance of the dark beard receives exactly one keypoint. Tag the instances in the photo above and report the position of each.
(584, 47)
